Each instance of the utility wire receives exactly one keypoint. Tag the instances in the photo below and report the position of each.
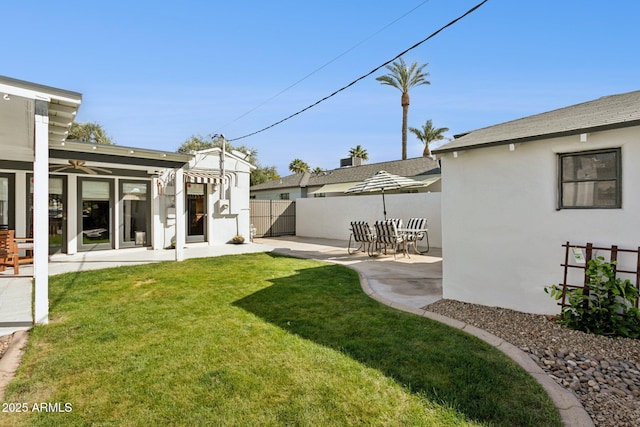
(325, 65)
(473, 9)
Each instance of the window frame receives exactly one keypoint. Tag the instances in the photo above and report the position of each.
(618, 178)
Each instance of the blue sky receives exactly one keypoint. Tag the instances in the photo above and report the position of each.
(155, 73)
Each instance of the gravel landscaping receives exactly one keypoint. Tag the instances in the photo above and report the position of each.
(603, 372)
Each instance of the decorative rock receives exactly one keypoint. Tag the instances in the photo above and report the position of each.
(603, 372)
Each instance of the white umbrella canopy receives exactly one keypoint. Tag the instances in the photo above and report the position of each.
(381, 181)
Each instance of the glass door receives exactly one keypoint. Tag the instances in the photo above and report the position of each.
(196, 212)
(57, 214)
(135, 213)
(95, 214)
(6, 201)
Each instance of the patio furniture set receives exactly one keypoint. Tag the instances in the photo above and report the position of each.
(388, 233)
(14, 251)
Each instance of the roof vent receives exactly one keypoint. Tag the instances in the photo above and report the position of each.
(350, 161)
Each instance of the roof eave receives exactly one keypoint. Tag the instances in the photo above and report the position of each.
(611, 126)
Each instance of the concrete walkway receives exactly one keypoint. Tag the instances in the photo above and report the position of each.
(406, 283)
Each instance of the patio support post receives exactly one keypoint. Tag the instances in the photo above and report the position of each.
(181, 225)
(41, 212)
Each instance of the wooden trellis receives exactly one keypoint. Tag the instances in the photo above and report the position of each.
(588, 255)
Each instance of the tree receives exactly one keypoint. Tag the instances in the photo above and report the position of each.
(404, 78)
(317, 170)
(360, 152)
(263, 174)
(428, 134)
(89, 132)
(258, 175)
(298, 166)
(199, 142)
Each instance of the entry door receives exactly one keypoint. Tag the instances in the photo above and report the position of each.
(196, 212)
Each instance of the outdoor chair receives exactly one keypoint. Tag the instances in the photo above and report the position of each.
(416, 231)
(9, 251)
(388, 234)
(361, 237)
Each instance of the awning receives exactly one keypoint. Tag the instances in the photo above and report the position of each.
(339, 187)
(202, 177)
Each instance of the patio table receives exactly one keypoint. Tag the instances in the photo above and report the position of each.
(408, 232)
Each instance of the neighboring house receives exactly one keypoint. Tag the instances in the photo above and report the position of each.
(75, 196)
(515, 192)
(336, 181)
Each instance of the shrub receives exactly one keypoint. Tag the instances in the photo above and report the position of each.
(608, 308)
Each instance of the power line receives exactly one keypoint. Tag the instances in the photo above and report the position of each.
(324, 66)
(473, 9)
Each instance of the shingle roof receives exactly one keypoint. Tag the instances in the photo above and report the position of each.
(409, 167)
(609, 112)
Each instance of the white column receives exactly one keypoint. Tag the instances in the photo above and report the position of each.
(72, 214)
(41, 213)
(157, 239)
(181, 226)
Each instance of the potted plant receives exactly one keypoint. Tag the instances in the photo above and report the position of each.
(238, 239)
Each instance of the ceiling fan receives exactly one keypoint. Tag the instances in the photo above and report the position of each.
(79, 165)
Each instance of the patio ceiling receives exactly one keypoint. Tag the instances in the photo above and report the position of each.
(17, 102)
(119, 159)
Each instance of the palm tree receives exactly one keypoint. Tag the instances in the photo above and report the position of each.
(317, 170)
(298, 166)
(428, 134)
(404, 78)
(360, 152)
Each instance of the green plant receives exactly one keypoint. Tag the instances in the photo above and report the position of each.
(607, 308)
(237, 239)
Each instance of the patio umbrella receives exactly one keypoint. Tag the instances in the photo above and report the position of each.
(381, 181)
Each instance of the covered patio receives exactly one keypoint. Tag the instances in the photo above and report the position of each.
(75, 198)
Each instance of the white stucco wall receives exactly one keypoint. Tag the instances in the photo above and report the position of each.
(502, 234)
(330, 217)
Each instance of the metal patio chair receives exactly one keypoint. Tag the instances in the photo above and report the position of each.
(415, 231)
(361, 237)
(388, 234)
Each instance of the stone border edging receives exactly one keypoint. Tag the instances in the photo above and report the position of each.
(11, 359)
(571, 410)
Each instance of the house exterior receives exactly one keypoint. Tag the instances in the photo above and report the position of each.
(74, 196)
(335, 182)
(515, 192)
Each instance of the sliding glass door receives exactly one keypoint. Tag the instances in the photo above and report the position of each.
(7, 201)
(57, 214)
(95, 216)
(135, 213)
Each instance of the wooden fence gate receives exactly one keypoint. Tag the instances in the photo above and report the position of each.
(273, 217)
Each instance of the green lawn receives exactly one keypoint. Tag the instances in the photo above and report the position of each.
(257, 340)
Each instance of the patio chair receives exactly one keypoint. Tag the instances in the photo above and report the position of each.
(416, 231)
(9, 251)
(361, 237)
(388, 234)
